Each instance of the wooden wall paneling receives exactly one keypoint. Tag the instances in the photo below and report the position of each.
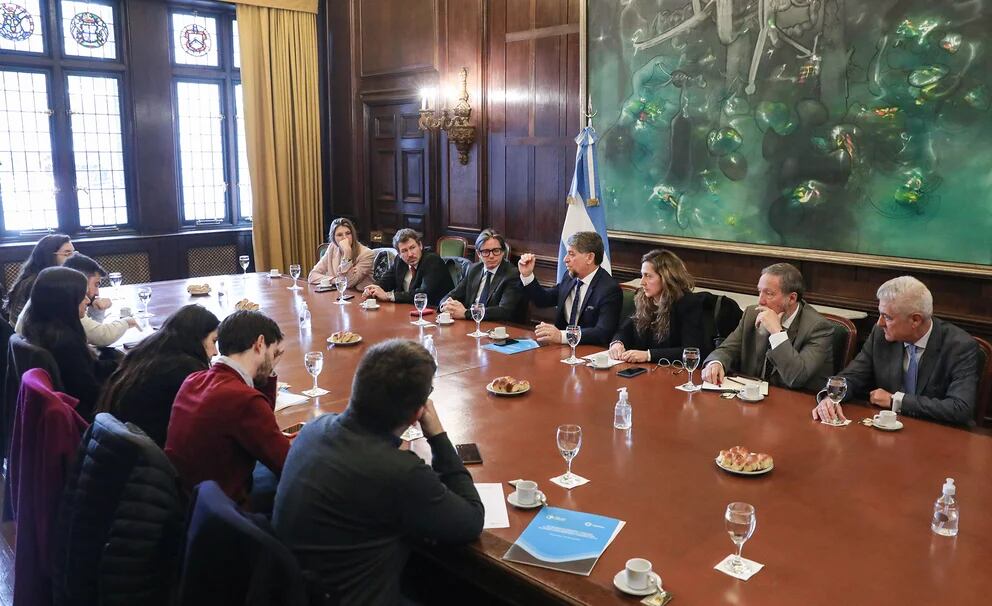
(398, 36)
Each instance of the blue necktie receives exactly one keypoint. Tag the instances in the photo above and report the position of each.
(573, 318)
(909, 381)
(484, 296)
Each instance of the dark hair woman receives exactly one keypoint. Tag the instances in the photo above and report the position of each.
(50, 251)
(345, 256)
(58, 301)
(667, 317)
(143, 388)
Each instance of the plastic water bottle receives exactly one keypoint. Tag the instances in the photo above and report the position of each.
(304, 317)
(622, 411)
(945, 511)
(431, 349)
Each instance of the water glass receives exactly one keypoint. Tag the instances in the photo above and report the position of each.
(144, 297)
(740, 522)
(573, 334)
(341, 283)
(314, 361)
(569, 439)
(478, 313)
(294, 272)
(836, 389)
(116, 279)
(690, 361)
(243, 262)
(420, 302)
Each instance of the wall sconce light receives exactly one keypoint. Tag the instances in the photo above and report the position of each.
(454, 122)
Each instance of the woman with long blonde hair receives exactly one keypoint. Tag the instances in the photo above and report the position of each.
(668, 316)
(345, 256)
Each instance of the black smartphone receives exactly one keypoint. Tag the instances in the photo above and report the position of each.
(293, 429)
(468, 453)
(631, 372)
(347, 297)
(507, 341)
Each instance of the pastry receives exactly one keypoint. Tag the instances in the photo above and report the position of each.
(509, 385)
(246, 305)
(345, 337)
(739, 458)
(198, 289)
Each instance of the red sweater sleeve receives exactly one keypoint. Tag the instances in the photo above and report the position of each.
(258, 431)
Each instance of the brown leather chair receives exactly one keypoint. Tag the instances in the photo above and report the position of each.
(845, 341)
(984, 380)
(452, 246)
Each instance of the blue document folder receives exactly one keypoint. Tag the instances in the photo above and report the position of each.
(566, 540)
(512, 348)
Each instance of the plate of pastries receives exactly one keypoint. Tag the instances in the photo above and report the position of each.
(246, 305)
(743, 462)
(508, 386)
(198, 290)
(344, 337)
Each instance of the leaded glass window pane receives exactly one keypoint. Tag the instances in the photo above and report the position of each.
(236, 36)
(98, 149)
(88, 30)
(194, 39)
(27, 180)
(201, 151)
(21, 27)
(244, 179)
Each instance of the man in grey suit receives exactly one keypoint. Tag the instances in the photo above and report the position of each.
(493, 281)
(782, 339)
(912, 363)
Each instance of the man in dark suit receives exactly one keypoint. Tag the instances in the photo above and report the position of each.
(587, 296)
(413, 271)
(352, 502)
(492, 281)
(781, 340)
(912, 362)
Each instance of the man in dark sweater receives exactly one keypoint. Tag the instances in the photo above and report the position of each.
(351, 502)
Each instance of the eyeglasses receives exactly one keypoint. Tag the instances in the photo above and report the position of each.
(488, 252)
(675, 365)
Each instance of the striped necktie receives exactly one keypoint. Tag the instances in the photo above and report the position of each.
(909, 379)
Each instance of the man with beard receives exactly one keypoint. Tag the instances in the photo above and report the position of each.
(222, 419)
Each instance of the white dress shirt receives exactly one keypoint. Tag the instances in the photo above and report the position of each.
(920, 346)
(783, 335)
(482, 283)
(583, 289)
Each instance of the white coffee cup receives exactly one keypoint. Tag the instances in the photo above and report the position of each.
(638, 573)
(752, 391)
(885, 418)
(526, 492)
(444, 317)
(371, 303)
(600, 361)
(274, 272)
(500, 332)
(125, 312)
(325, 281)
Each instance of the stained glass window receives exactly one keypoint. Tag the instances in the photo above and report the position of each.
(27, 180)
(201, 151)
(88, 29)
(98, 150)
(21, 27)
(244, 180)
(194, 39)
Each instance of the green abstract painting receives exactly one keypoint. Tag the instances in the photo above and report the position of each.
(840, 125)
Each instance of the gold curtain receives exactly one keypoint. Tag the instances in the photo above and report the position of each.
(282, 126)
(309, 6)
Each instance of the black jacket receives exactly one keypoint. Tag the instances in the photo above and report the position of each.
(601, 304)
(120, 522)
(432, 277)
(685, 329)
(505, 292)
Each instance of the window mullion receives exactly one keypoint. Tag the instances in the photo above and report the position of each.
(64, 162)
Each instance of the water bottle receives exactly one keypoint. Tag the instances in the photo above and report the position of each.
(945, 511)
(304, 317)
(431, 349)
(622, 411)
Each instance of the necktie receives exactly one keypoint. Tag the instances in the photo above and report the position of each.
(484, 297)
(909, 380)
(573, 318)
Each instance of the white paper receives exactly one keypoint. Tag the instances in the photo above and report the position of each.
(751, 568)
(602, 359)
(577, 480)
(495, 504)
(735, 384)
(284, 399)
(833, 424)
(412, 433)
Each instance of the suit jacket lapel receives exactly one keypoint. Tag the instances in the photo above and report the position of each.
(793, 330)
(474, 282)
(928, 361)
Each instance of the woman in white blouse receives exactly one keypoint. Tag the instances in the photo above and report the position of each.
(345, 256)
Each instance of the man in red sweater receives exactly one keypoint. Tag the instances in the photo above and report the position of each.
(222, 419)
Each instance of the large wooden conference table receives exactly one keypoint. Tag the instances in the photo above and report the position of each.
(844, 518)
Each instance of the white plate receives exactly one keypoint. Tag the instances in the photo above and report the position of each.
(345, 344)
(489, 388)
(894, 427)
(495, 338)
(620, 582)
(445, 323)
(540, 502)
(369, 307)
(743, 473)
(740, 395)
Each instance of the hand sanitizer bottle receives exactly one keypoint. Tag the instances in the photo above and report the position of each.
(431, 349)
(622, 411)
(945, 512)
(304, 317)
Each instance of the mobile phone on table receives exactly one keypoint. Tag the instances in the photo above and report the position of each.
(631, 372)
(347, 297)
(468, 453)
(292, 430)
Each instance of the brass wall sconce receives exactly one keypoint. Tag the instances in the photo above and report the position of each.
(454, 121)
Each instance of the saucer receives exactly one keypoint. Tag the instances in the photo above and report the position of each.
(894, 427)
(451, 321)
(540, 502)
(370, 307)
(741, 395)
(654, 583)
(493, 336)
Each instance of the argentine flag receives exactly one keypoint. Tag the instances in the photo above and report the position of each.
(585, 213)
